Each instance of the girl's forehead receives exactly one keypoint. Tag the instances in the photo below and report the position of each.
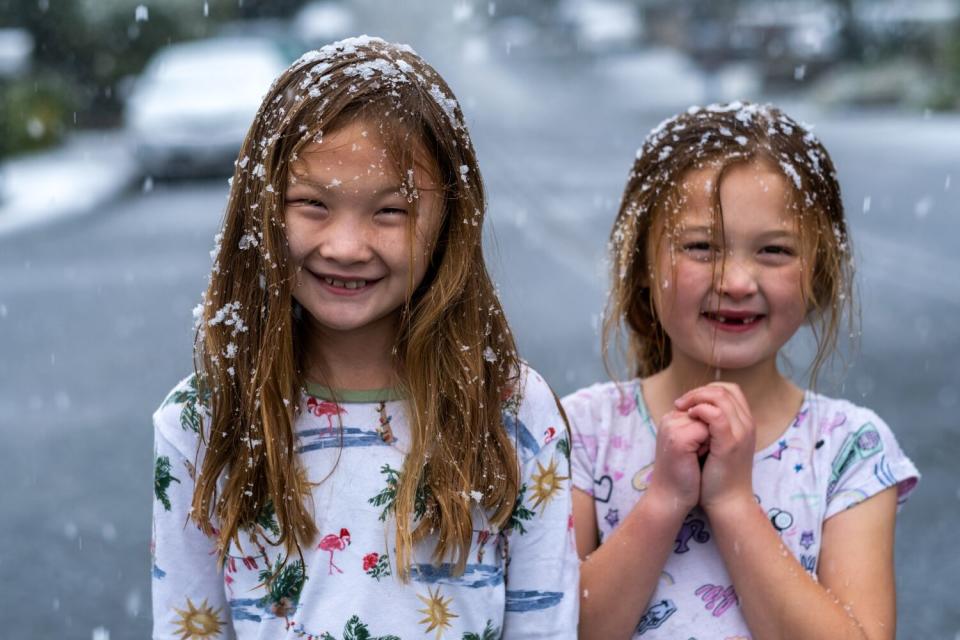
(358, 152)
(753, 192)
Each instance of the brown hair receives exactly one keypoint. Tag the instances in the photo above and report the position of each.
(455, 356)
(721, 136)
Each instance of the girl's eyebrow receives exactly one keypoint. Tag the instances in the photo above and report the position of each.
(765, 236)
(696, 228)
(314, 187)
(779, 234)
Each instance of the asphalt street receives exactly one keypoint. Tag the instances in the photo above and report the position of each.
(95, 327)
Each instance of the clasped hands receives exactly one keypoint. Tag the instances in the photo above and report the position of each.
(705, 449)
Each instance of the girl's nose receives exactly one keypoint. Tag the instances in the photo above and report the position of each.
(345, 240)
(736, 279)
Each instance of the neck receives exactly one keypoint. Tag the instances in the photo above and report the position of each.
(357, 360)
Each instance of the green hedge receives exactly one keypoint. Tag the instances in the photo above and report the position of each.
(35, 112)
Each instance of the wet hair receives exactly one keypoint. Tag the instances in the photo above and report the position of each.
(721, 136)
(455, 357)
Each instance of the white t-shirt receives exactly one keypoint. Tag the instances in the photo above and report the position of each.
(831, 456)
(520, 582)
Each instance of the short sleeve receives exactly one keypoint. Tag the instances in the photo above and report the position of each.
(188, 589)
(865, 460)
(583, 427)
(542, 574)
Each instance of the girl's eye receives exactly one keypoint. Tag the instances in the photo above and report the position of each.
(701, 250)
(778, 250)
(304, 202)
(392, 211)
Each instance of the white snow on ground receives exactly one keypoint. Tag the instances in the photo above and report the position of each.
(91, 168)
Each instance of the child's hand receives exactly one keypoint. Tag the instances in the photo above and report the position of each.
(676, 470)
(728, 471)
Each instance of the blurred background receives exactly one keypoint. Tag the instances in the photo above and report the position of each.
(120, 121)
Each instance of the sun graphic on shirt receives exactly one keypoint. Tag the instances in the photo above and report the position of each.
(546, 483)
(437, 614)
(198, 622)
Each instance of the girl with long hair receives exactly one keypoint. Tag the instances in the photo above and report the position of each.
(360, 452)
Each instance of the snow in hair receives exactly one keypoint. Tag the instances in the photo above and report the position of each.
(733, 130)
(388, 67)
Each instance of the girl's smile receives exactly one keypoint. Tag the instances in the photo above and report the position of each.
(345, 285)
(733, 321)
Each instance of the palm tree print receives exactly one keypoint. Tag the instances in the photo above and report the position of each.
(162, 479)
(388, 495)
(267, 518)
(356, 630)
(520, 512)
(193, 399)
(284, 584)
(488, 633)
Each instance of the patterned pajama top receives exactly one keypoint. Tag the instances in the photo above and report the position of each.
(519, 583)
(832, 456)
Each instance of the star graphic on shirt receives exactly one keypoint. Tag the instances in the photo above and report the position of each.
(778, 454)
(612, 517)
(798, 467)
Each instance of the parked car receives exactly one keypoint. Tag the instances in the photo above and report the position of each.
(189, 111)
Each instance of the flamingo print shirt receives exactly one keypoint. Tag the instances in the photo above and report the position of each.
(832, 456)
(520, 582)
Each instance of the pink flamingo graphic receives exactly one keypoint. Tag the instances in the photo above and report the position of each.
(325, 408)
(331, 543)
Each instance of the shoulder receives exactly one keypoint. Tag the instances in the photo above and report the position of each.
(183, 415)
(861, 450)
(595, 407)
(530, 392)
(592, 396)
(532, 413)
(834, 419)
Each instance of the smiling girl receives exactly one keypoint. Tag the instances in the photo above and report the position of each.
(360, 453)
(713, 497)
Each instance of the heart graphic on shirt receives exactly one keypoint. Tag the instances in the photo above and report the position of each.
(603, 489)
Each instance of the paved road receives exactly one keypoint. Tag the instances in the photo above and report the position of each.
(95, 327)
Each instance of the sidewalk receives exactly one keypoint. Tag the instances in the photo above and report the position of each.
(91, 168)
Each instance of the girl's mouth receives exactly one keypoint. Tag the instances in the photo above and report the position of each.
(734, 322)
(345, 284)
(342, 286)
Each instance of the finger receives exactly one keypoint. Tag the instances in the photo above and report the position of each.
(723, 398)
(685, 435)
(741, 400)
(717, 421)
(723, 432)
(715, 395)
(707, 393)
(693, 435)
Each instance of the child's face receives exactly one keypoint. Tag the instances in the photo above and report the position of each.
(731, 302)
(347, 218)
